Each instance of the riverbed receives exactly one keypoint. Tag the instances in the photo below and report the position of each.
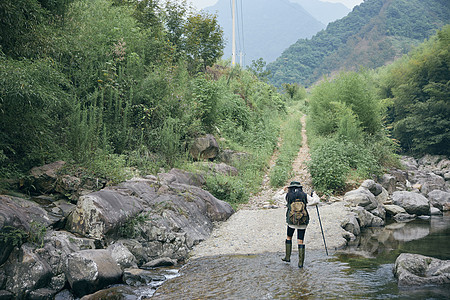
(361, 270)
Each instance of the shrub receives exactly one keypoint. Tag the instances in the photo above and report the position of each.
(329, 165)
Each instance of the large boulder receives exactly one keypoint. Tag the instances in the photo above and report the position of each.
(57, 246)
(414, 270)
(91, 270)
(383, 197)
(116, 292)
(392, 210)
(153, 218)
(372, 186)
(26, 271)
(100, 212)
(205, 147)
(413, 203)
(361, 197)
(44, 177)
(124, 258)
(440, 199)
(350, 223)
(431, 182)
(367, 219)
(16, 217)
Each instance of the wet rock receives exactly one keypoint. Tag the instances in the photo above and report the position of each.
(91, 270)
(418, 270)
(413, 203)
(404, 217)
(124, 258)
(42, 294)
(392, 210)
(379, 212)
(160, 262)
(116, 292)
(64, 295)
(435, 211)
(350, 224)
(44, 178)
(139, 277)
(5, 295)
(439, 199)
(205, 147)
(26, 271)
(366, 219)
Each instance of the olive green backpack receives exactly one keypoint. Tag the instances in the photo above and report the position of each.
(298, 214)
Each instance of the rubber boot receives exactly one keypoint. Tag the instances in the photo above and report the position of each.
(287, 258)
(301, 255)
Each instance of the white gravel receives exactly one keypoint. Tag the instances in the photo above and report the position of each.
(264, 230)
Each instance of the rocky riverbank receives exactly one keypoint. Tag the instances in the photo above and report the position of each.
(51, 247)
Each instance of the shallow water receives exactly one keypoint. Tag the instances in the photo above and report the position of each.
(361, 271)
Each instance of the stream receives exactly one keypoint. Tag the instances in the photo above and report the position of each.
(363, 270)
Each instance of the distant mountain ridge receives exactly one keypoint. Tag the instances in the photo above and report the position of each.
(269, 26)
(373, 34)
(324, 11)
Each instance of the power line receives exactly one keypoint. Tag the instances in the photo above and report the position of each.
(242, 29)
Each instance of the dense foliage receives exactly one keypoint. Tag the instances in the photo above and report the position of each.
(417, 92)
(112, 84)
(348, 141)
(374, 33)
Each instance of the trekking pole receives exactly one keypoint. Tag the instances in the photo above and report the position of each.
(321, 229)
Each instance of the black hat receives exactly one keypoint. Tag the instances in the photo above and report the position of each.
(295, 184)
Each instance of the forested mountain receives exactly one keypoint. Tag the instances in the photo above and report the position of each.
(268, 27)
(323, 11)
(374, 33)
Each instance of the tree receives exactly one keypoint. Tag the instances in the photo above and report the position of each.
(258, 68)
(204, 41)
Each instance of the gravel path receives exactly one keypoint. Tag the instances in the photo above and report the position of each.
(259, 226)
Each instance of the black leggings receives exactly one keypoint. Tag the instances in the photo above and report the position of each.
(300, 233)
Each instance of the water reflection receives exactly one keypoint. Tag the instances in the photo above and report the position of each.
(426, 237)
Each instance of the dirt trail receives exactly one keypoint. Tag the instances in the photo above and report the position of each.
(259, 226)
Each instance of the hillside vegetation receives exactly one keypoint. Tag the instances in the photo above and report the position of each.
(358, 120)
(375, 33)
(121, 88)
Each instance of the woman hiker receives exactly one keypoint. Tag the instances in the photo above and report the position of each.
(297, 217)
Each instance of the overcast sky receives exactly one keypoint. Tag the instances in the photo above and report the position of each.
(204, 3)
